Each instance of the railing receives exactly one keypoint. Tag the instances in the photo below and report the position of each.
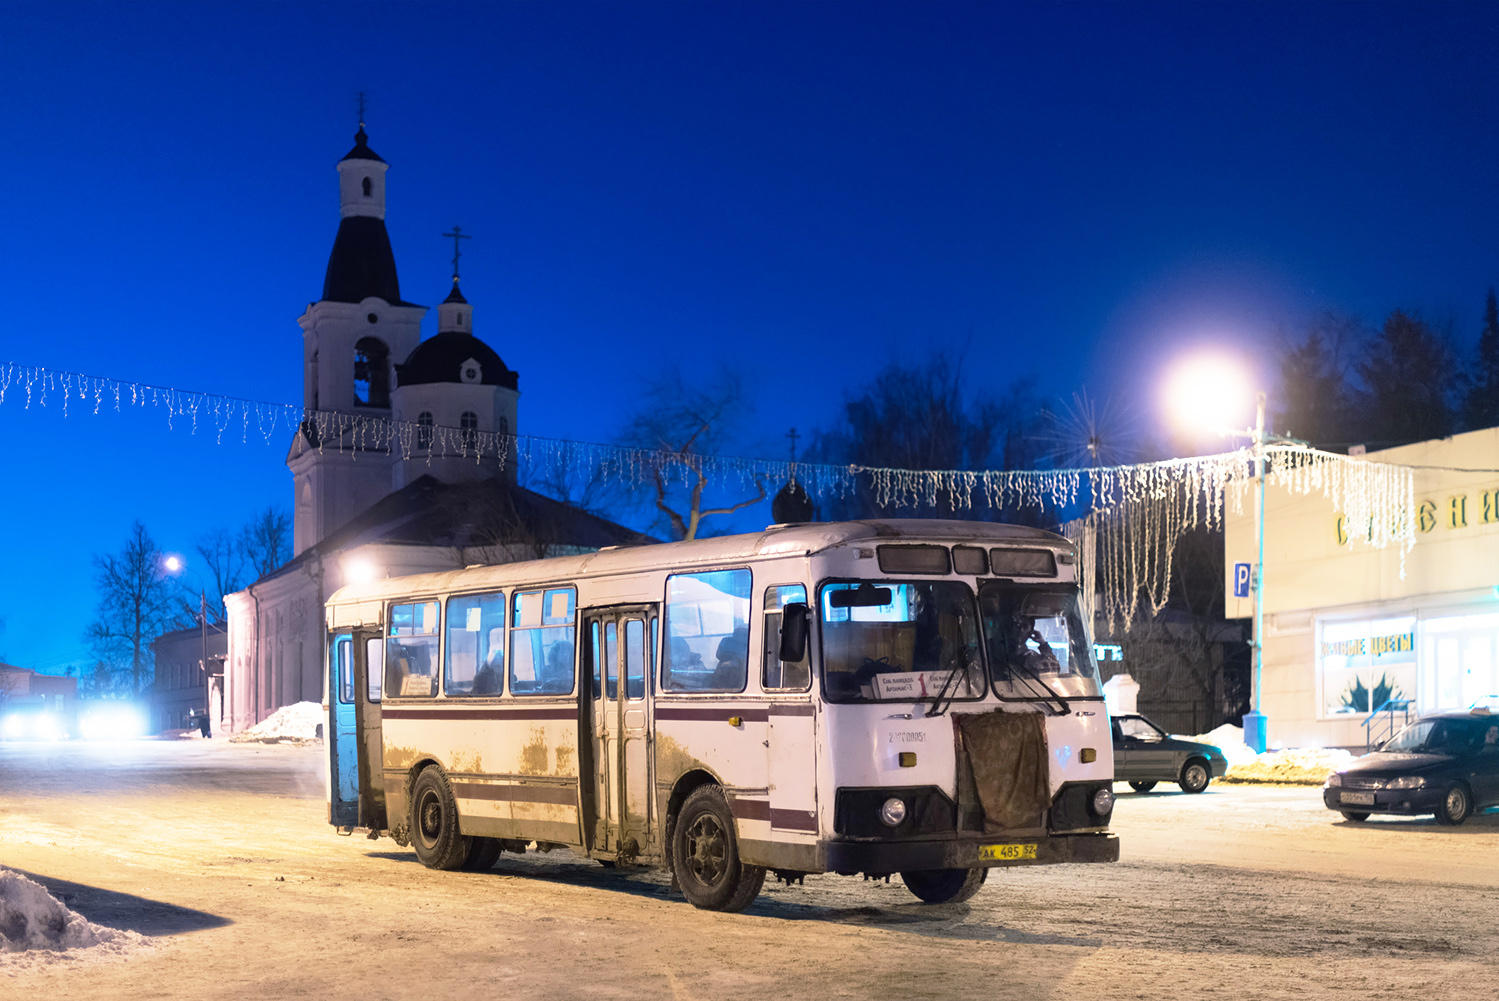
(1379, 726)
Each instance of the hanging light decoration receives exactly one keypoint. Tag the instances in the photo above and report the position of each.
(1135, 513)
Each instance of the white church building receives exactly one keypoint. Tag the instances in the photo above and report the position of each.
(361, 511)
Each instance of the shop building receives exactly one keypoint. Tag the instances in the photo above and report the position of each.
(1350, 628)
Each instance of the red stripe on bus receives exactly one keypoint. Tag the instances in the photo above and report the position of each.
(493, 712)
(718, 714)
(793, 820)
(750, 809)
(561, 795)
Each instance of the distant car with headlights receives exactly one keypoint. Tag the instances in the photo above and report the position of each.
(1445, 764)
(1144, 754)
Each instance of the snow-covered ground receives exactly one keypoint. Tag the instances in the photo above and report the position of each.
(221, 855)
(299, 722)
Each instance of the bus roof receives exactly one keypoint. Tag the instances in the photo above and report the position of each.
(776, 540)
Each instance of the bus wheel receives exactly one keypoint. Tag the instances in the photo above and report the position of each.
(945, 886)
(434, 822)
(483, 853)
(705, 855)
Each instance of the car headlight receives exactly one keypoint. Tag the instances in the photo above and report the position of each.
(1103, 801)
(1334, 780)
(1406, 782)
(893, 811)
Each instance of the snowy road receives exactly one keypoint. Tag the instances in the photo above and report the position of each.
(220, 853)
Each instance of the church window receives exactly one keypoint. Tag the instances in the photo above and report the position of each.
(424, 429)
(367, 187)
(469, 423)
(504, 425)
(460, 319)
(371, 373)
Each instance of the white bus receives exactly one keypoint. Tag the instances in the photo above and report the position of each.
(912, 697)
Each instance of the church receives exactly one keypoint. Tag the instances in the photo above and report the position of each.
(362, 511)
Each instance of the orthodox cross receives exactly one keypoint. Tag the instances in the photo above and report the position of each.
(455, 236)
(361, 109)
(792, 435)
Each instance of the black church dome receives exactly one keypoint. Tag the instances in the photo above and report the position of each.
(361, 150)
(362, 263)
(442, 359)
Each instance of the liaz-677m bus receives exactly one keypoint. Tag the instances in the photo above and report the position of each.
(880, 697)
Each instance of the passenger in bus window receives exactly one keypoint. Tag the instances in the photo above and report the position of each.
(733, 652)
(557, 675)
(487, 680)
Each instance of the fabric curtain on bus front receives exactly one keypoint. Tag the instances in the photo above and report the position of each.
(1002, 761)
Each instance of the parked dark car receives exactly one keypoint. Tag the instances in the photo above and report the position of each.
(1144, 754)
(1446, 764)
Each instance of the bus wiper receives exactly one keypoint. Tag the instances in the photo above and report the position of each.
(1033, 676)
(937, 708)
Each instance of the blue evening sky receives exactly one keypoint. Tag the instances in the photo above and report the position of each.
(805, 192)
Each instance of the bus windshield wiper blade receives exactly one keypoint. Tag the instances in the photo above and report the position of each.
(937, 707)
(1051, 693)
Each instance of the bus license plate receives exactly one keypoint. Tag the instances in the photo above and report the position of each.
(1006, 853)
(1361, 798)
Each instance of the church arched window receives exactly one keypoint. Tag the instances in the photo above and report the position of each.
(424, 430)
(504, 425)
(469, 425)
(371, 373)
(367, 186)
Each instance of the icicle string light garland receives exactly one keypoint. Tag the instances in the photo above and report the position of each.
(1138, 512)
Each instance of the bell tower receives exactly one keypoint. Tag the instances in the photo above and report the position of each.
(352, 339)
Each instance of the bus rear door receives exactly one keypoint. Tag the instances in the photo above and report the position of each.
(621, 645)
(356, 784)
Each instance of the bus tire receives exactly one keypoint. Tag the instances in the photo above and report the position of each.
(434, 822)
(705, 855)
(483, 853)
(945, 886)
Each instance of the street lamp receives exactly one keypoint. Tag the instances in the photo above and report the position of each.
(1209, 393)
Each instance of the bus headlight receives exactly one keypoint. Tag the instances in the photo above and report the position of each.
(893, 811)
(1103, 801)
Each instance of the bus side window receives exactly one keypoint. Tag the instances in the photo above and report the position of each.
(411, 650)
(783, 675)
(541, 641)
(707, 632)
(474, 658)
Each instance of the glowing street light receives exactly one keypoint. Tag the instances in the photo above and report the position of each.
(173, 563)
(359, 570)
(1208, 393)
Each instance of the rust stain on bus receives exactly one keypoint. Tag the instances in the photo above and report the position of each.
(399, 757)
(564, 761)
(535, 755)
(673, 761)
(466, 761)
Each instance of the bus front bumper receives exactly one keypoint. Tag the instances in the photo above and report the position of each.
(969, 853)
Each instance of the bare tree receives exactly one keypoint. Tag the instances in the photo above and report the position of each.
(689, 420)
(265, 543)
(135, 606)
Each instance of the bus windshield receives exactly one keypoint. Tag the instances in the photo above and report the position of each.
(1038, 647)
(900, 642)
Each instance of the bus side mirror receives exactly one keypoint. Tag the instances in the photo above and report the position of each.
(794, 619)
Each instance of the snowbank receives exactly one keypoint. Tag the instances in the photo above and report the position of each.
(31, 919)
(289, 725)
(1296, 766)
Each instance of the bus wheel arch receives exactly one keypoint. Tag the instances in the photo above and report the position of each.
(433, 812)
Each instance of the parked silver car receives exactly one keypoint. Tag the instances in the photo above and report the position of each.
(1144, 754)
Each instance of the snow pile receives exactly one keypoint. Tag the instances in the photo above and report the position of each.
(33, 919)
(288, 725)
(1230, 740)
(1294, 766)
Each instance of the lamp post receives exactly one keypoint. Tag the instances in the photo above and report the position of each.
(1254, 720)
(1209, 393)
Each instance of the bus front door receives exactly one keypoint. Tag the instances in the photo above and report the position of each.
(621, 650)
(356, 786)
